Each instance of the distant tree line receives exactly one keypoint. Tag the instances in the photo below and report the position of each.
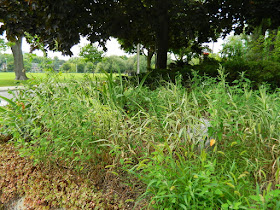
(34, 63)
(114, 63)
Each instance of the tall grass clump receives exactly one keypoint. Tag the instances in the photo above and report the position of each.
(209, 146)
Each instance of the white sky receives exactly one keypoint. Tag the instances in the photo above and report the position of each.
(112, 46)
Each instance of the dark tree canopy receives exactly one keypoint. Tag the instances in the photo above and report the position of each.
(160, 24)
(17, 16)
(261, 10)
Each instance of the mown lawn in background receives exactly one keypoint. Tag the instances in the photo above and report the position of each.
(8, 78)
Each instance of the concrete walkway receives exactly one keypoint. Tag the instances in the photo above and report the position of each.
(6, 89)
(4, 92)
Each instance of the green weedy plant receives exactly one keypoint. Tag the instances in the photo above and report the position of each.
(185, 180)
(12, 115)
(115, 124)
(268, 199)
(49, 128)
(113, 91)
(233, 112)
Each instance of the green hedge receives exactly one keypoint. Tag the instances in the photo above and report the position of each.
(258, 72)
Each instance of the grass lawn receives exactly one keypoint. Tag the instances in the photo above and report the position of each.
(8, 78)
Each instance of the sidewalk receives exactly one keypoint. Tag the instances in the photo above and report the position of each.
(5, 89)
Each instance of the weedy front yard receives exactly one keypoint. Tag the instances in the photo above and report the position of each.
(141, 147)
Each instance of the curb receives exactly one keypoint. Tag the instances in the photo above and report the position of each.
(5, 89)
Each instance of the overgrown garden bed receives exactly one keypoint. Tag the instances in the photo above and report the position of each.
(143, 141)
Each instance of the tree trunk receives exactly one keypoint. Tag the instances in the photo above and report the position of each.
(149, 58)
(18, 60)
(162, 34)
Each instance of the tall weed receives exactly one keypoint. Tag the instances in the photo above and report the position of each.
(156, 135)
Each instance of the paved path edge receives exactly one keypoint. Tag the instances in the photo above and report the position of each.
(5, 89)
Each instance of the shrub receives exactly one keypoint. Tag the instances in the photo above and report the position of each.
(156, 77)
(257, 71)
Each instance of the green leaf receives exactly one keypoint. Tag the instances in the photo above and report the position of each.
(129, 200)
(255, 197)
(9, 101)
(225, 206)
(2, 109)
(218, 192)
